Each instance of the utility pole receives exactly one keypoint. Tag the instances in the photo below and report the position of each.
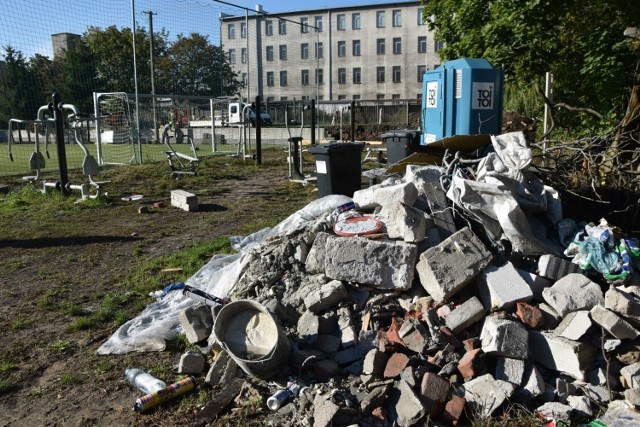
(153, 80)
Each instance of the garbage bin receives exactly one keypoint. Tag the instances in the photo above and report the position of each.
(400, 144)
(338, 167)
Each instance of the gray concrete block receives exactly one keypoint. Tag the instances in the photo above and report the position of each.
(555, 268)
(406, 223)
(382, 264)
(511, 370)
(447, 268)
(485, 394)
(556, 410)
(630, 376)
(386, 194)
(184, 200)
(314, 263)
(536, 283)
(191, 363)
(414, 335)
(327, 296)
(196, 321)
(308, 326)
(409, 407)
(572, 293)
(626, 304)
(324, 410)
(581, 406)
(560, 354)
(532, 384)
(468, 313)
(348, 334)
(217, 368)
(574, 325)
(501, 287)
(374, 362)
(614, 324)
(502, 337)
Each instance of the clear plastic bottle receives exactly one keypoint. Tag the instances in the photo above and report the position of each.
(146, 383)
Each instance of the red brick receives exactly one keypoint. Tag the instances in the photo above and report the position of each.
(436, 359)
(395, 365)
(392, 333)
(434, 390)
(453, 410)
(530, 315)
(470, 364)
(449, 337)
(380, 413)
(471, 343)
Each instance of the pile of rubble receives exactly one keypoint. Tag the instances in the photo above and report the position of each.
(431, 317)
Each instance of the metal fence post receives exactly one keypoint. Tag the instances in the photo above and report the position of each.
(313, 122)
(353, 121)
(58, 117)
(258, 131)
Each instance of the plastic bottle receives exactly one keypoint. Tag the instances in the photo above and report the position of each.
(146, 383)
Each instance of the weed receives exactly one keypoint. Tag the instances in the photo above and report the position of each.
(104, 366)
(68, 378)
(37, 391)
(11, 265)
(61, 346)
(6, 366)
(49, 300)
(21, 323)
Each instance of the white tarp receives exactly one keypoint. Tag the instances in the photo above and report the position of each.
(160, 322)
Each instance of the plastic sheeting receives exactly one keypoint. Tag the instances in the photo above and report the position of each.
(509, 201)
(159, 321)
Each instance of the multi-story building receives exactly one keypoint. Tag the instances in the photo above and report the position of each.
(367, 52)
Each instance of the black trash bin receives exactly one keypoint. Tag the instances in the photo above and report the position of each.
(338, 167)
(400, 144)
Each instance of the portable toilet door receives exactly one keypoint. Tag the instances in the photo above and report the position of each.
(473, 97)
(433, 106)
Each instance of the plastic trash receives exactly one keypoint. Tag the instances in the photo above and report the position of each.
(144, 382)
(166, 394)
(281, 397)
(594, 252)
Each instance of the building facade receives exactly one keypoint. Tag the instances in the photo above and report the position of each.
(363, 52)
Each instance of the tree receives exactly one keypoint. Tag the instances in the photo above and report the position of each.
(18, 91)
(193, 66)
(581, 42)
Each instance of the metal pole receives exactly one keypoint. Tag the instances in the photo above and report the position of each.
(258, 132)
(58, 117)
(548, 92)
(153, 79)
(313, 122)
(135, 79)
(353, 121)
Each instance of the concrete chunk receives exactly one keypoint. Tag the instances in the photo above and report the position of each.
(614, 324)
(308, 326)
(485, 394)
(348, 335)
(314, 264)
(465, 315)
(184, 200)
(501, 287)
(375, 362)
(502, 337)
(327, 296)
(386, 194)
(406, 223)
(191, 363)
(556, 410)
(536, 283)
(409, 407)
(511, 370)
(447, 268)
(324, 410)
(385, 264)
(560, 354)
(532, 385)
(574, 325)
(572, 293)
(625, 304)
(555, 268)
(414, 335)
(196, 322)
(630, 375)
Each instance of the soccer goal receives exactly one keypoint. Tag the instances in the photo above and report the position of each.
(114, 128)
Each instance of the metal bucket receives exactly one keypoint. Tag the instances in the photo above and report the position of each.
(248, 332)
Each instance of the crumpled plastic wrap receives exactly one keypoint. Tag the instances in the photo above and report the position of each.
(159, 321)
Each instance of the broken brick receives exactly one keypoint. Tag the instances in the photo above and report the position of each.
(471, 363)
(530, 315)
(395, 365)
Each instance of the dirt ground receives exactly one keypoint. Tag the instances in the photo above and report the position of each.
(51, 376)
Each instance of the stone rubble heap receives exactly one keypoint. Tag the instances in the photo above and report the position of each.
(431, 320)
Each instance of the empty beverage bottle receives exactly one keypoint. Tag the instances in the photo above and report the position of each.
(146, 383)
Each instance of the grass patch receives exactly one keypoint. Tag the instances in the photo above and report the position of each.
(69, 378)
(50, 299)
(62, 346)
(105, 366)
(6, 366)
(111, 309)
(11, 265)
(21, 323)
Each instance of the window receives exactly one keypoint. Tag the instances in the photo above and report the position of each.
(380, 46)
(305, 97)
(397, 74)
(422, 44)
(356, 48)
(304, 51)
(397, 18)
(268, 27)
(304, 77)
(232, 31)
(342, 76)
(342, 22)
(420, 18)
(304, 25)
(245, 80)
(380, 19)
(319, 76)
(379, 96)
(283, 78)
(269, 53)
(357, 76)
(283, 99)
(341, 97)
(380, 74)
(421, 70)
(342, 48)
(243, 55)
(318, 21)
(270, 79)
(282, 27)
(232, 56)
(271, 99)
(397, 45)
(355, 21)
(243, 30)
(283, 52)
(319, 50)
(356, 96)
(395, 96)
(437, 46)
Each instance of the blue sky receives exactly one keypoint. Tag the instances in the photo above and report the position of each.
(27, 25)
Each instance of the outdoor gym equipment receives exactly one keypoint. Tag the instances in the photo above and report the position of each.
(36, 160)
(176, 165)
(294, 154)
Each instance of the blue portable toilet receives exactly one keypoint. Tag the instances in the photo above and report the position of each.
(462, 97)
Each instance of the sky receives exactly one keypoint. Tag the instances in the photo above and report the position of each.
(27, 25)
